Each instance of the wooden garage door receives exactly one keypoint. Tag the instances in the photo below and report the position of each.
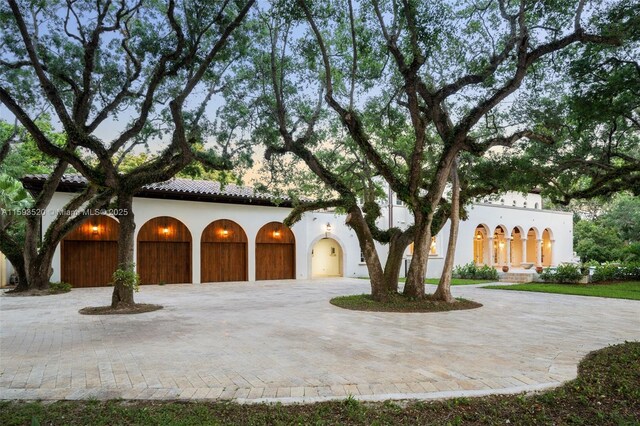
(89, 253)
(275, 252)
(164, 252)
(164, 262)
(223, 251)
(89, 263)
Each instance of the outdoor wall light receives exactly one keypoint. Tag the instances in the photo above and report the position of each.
(225, 231)
(479, 236)
(94, 229)
(165, 231)
(328, 227)
(276, 233)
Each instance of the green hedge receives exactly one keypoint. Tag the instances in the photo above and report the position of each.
(562, 274)
(616, 272)
(473, 272)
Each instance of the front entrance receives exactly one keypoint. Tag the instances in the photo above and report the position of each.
(326, 259)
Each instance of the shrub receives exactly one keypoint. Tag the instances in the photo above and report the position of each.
(127, 277)
(471, 271)
(59, 287)
(606, 272)
(566, 273)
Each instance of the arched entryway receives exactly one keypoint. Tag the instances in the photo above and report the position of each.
(223, 252)
(500, 245)
(326, 259)
(547, 248)
(89, 253)
(164, 252)
(275, 252)
(481, 245)
(532, 246)
(517, 249)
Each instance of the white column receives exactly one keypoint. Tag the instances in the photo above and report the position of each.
(551, 251)
(538, 252)
(524, 250)
(490, 242)
(508, 242)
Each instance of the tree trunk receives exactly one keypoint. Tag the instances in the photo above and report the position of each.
(122, 294)
(38, 269)
(393, 265)
(414, 285)
(443, 292)
(376, 274)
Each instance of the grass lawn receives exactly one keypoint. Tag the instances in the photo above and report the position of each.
(621, 290)
(606, 392)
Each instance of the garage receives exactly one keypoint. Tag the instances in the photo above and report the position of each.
(90, 253)
(223, 251)
(164, 252)
(275, 252)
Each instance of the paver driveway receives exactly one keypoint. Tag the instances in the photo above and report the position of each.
(283, 340)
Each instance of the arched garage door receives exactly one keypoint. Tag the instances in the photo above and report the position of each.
(90, 253)
(223, 251)
(164, 252)
(275, 252)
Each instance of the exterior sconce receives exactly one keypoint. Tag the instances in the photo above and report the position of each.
(478, 236)
(328, 227)
(276, 233)
(225, 231)
(94, 229)
(165, 231)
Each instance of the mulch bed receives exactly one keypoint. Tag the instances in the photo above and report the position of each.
(138, 308)
(400, 303)
(48, 292)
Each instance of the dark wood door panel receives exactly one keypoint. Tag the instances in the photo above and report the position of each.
(89, 263)
(275, 261)
(164, 262)
(222, 262)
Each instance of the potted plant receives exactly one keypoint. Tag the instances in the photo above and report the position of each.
(539, 269)
(505, 268)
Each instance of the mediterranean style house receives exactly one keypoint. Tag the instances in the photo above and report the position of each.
(191, 231)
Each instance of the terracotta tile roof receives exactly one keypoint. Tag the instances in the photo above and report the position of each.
(176, 188)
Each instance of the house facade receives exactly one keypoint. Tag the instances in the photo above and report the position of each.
(199, 232)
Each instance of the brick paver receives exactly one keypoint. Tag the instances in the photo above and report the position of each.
(282, 340)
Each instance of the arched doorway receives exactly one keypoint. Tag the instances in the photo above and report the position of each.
(499, 245)
(275, 252)
(164, 252)
(516, 246)
(547, 248)
(326, 259)
(532, 246)
(480, 245)
(89, 253)
(223, 252)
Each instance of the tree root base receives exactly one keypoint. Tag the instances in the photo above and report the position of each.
(137, 308)
(401, 303)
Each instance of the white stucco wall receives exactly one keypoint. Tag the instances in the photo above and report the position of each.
(313, 227)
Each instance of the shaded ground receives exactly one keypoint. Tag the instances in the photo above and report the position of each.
(606, 392)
